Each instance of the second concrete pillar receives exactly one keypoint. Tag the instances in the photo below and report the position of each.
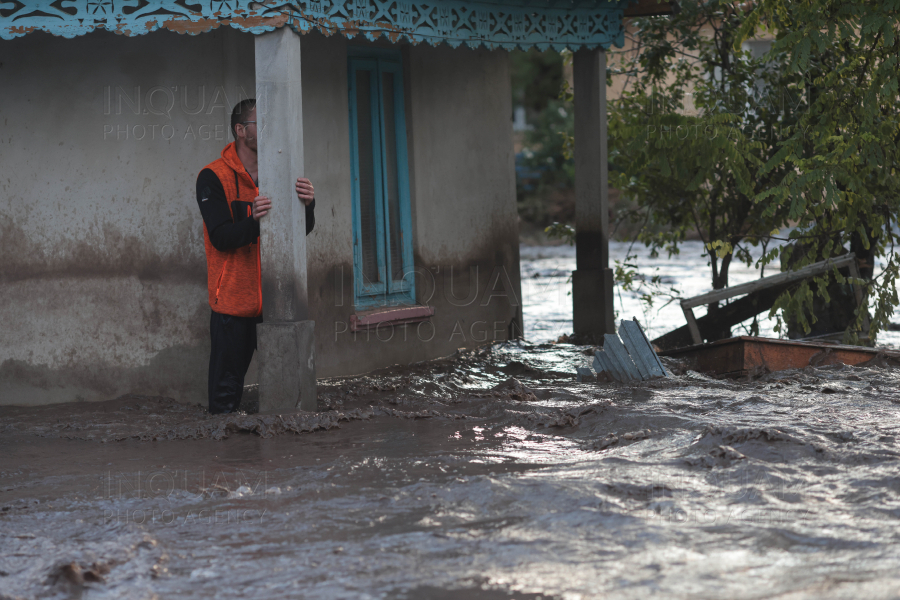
(592, 281)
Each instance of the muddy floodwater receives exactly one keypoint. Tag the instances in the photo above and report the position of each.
(492, 474)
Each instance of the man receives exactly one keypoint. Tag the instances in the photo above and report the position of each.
(229, 200)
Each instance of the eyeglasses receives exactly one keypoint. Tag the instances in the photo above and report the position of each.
(247, 122)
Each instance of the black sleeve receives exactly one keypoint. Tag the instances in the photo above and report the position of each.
(310, 216)
(224, 233)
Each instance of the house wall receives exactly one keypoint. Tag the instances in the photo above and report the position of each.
(103, 283)
(465, 225)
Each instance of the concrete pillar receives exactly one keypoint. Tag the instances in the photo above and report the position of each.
(592, 281)
(287, 374)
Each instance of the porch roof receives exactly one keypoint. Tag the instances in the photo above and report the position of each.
(507, 24)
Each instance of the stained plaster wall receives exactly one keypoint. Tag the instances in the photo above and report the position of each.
(103, 274)
(465, 229)
(102, 280)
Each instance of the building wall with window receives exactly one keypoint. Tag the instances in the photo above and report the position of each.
(103, 283)
(464, 225)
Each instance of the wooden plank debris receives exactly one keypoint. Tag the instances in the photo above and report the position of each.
(728, 315)
(788, 276)
(628, 356)
(780, 281)
(750, 356)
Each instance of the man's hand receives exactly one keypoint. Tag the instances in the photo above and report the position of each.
(305, 191)
(261, 206)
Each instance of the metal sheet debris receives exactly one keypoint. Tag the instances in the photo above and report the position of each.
(631, 358)
(584, 374)
(641, 350)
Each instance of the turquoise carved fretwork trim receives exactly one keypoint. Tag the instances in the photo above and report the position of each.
(508, 24)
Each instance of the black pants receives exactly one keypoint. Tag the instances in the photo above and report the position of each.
(233, 342)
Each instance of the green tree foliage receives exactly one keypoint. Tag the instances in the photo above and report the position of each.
(711, 140)
(537, 78)
(838, 162)
(546, 148)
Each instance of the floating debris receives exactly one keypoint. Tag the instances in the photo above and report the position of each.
(583, 374)
(748, 356)
(631, 358)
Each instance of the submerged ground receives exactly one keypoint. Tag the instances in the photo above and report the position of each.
(493, 474)
(490, 475)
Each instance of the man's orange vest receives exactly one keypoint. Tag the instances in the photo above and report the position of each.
(233, 276)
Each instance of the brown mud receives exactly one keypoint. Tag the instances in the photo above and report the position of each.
(491, 474)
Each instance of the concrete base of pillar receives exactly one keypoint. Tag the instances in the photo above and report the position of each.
(592, 303)
(287, 366)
